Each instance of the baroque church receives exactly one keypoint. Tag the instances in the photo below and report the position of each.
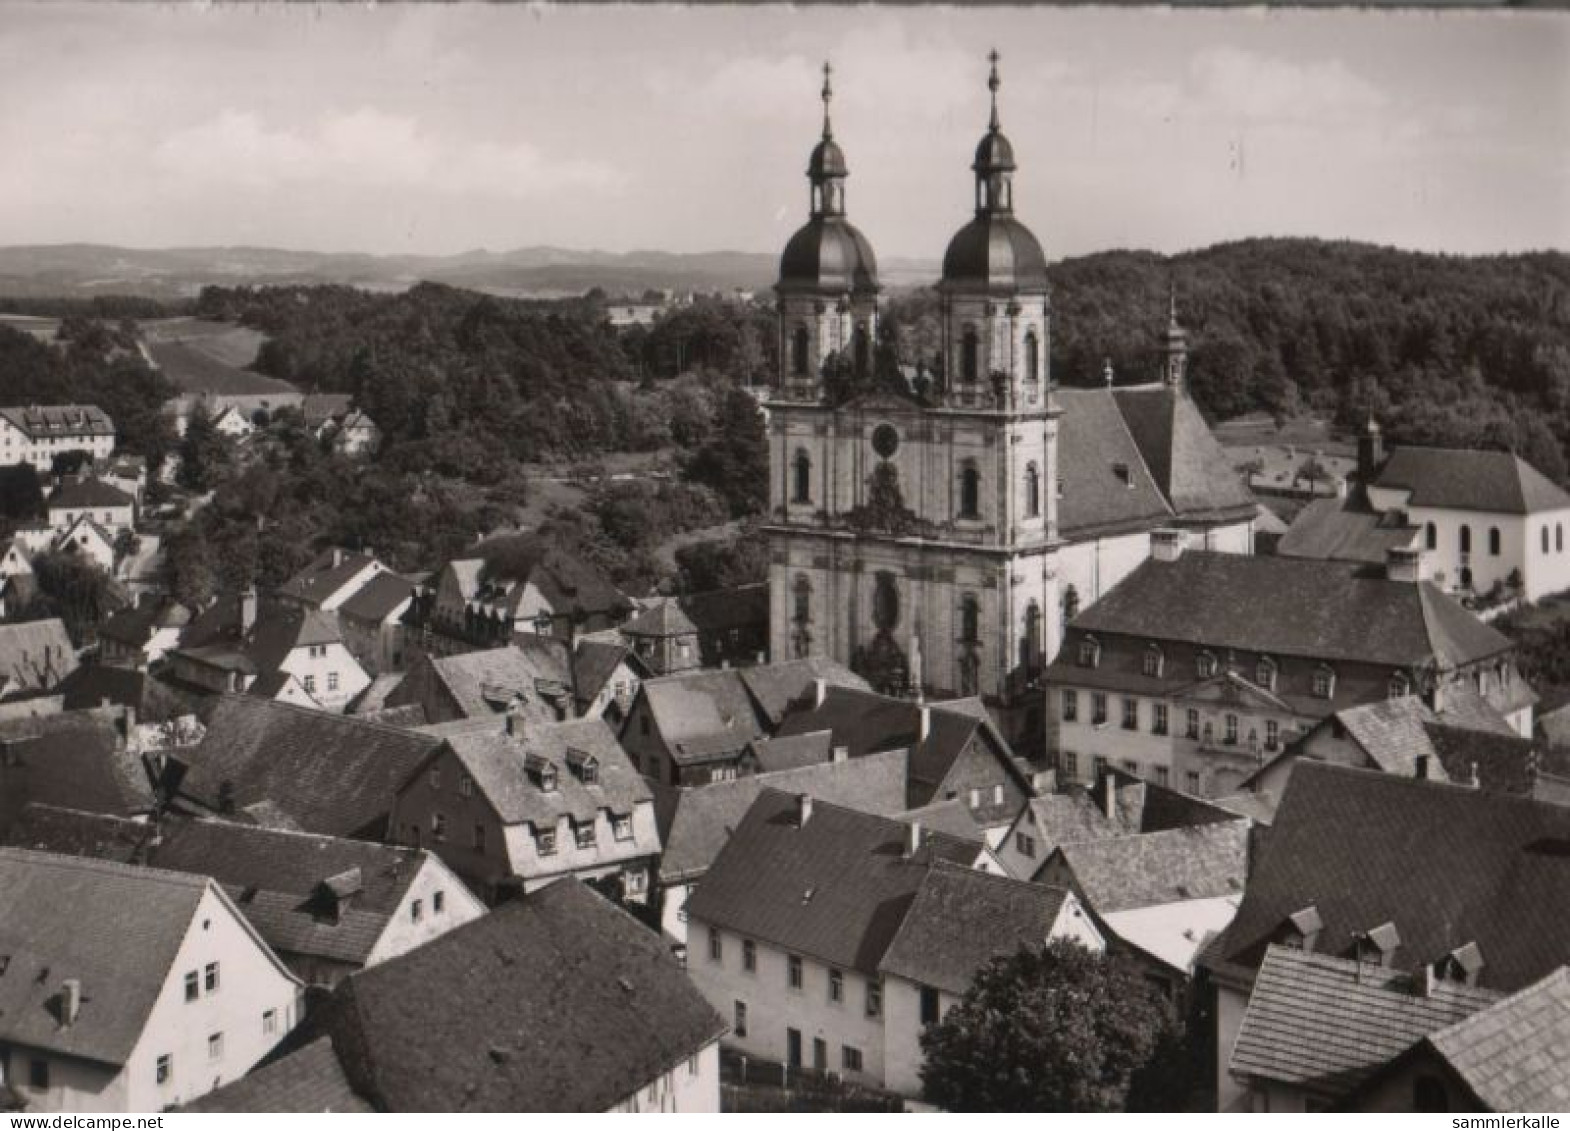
(938, 541)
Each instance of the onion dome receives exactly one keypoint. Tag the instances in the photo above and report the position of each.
(828, 253)
(995, 252)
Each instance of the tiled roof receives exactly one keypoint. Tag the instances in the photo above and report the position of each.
(40, 421)
(74, 759)
(558, 1001)
(215, 635)
(1504, 763)
(378, 598)
(836, 888)
(1392, 732)
(781, 687)
(567, 582)
(1124, 872)
(36, 654)
(333, 774)
(495, 760)
(696, 821)
(594, 662)
(961, 919)
(113, 927)
(1446, 864)
(1258, 806)
(663, 618)
(1467, 479)
(951, 817)
(722, 610)
(1325, 1024)
(327, 573)
(1240, 601)
(273, 876)
(1189, 465)
(1106, 484)
(1515, 1055)
(318, 408)
(87, 491)
(790, 752)
(308, 1079)
(136, 624)
(153, 700)
(702, 713)
(483, 684)
(1345, 530)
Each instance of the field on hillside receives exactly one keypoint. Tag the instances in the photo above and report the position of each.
(224, 342)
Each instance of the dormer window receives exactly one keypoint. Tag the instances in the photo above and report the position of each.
(1089, 652)
(1265, 673)
(1380, 944)
(1206, 665)
(1462, 965)
(621, 826)
(1301, 929)
(1399, 686)
(1154, 661)
(584, 834)
(541, 772)
(545, 842)
(1324, 682)
(586, 766)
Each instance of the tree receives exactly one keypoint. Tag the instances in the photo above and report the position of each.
(734, 461)
(1060, 1028)
(204, 452)
(75, 590)
(21, 494)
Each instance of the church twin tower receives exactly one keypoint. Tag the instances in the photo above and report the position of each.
(913, 530)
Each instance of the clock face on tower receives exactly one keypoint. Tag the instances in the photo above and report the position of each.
(885, 440)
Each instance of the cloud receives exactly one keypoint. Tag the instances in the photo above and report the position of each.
(369, 149)
(1269, 89)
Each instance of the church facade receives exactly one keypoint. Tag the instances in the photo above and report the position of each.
(917, 534)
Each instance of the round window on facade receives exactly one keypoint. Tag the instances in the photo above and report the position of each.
(885, 440)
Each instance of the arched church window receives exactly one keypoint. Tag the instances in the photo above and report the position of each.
(970, 356)
(1032, 356)
(861, 350)
(1070, 604)
(1431, 537)
(802, 592)
(969, 490)
(1032, 491)
(1493, 541)
(798, 351)
(801, 477)
(1031, 644)
(969, 674)
(1466, 538)
(969, 620)
(1545, 539)
(1559, 537)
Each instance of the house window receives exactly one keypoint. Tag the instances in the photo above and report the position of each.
(438, 827)
(1089, 652)
(1025, 843)
(969, 490)
(1070, 705)
(929, 1005)
(1191, 724)
(739, 1025)
(850, 1058)
(1398, 685)
(479, 838)
(836, 986)
(436, 778)
(1032, 491)
(1070, 763)
(193, 986)
(332, 681)
(1272, 734)
(801, 478)
(310, 684)
(1130, 714)
(1192, 780)
(1493, 541)
(584, 834)
(874, 999)
(215, 1046)
(1158, 724)
(1153, 661)
(545, 842)
(1324, 682)
(1231, 730)
(269, 1022)
(465, 785)
(1163, 775)
(165, 1068)
(1265, 673)
(716, 945)
(1206, 665)
(621, 827)
(438, 902)
(1098, 708)
(416, 910)
(692, 1066)
(38, 1075)
(793, 972)
(210, 976)
(749, 956)
(1431, 537)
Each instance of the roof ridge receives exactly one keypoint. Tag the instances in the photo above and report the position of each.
(260, 704)
(47, 858)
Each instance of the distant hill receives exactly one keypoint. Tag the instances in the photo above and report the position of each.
(86, 270)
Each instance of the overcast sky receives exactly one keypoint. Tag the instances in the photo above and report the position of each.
(437, 129)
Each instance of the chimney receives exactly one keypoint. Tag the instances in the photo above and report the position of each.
(1370, 451)
(1167, 545)
(1402, 563)
(912, 839)
(803, 809)
(1109, 796)
(337, 557)
(840, 753)
(70, 1001)
(926, 724)
(820, 691)
(247, 610)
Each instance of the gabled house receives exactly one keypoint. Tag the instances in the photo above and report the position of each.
(236, 645)
(85, 759)
(372, 622)
(329, 774)
(557, 1001)
(88, 497)
(530, 678)
(36, 434)
(17, 560)
(332, 577)
(664, 638)
(1318, 1026)
(1432, 876)
(694, 727)
(35, 656)
(89, 1023)
(519, 803)
(140, 635)
(327, 906)
(832, 937)
(1508, 1056)
(1199, 667)
(356, 435)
